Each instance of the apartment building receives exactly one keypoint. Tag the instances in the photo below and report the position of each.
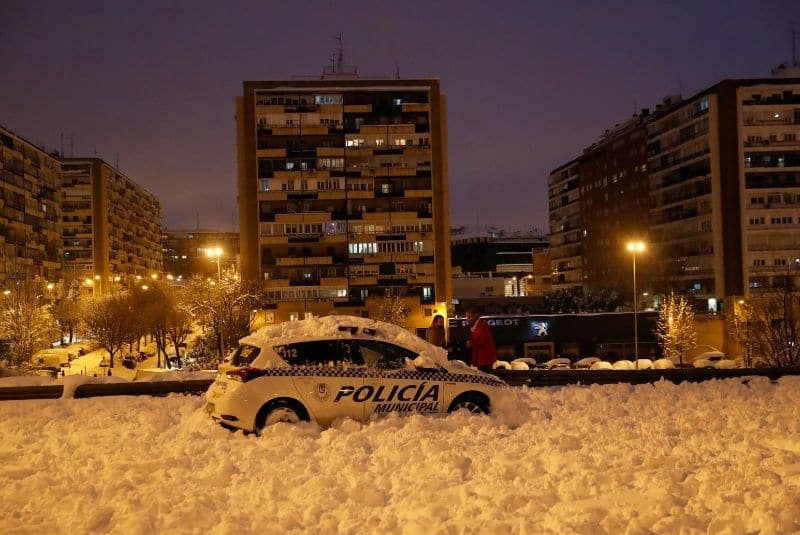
(186, 251)
(722, 172)
(30, 211)
(566, 226)
(111, 225)
(343, 195)
(769, 179)
(614, 205)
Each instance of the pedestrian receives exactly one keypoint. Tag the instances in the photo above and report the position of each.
(435, 334)
(481, 343)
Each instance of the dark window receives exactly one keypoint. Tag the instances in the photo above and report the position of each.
(384, 356)
(245, 355)
(321, 353)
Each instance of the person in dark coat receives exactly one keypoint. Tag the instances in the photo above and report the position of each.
(483, 354)
(435, 333)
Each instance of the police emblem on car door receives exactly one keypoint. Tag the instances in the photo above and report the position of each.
(326, 373)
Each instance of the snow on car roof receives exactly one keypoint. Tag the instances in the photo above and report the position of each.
(338, 326)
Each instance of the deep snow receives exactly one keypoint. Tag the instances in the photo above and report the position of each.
(713, 457)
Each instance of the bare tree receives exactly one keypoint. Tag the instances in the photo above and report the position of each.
(178, 327)
(25, 323)
(109, 321)
(742, 326)
(223, 306)
(675, 327)
(68, 309)
(393, 310)
(773, 321)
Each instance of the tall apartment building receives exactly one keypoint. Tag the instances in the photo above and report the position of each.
(30, 211)
(566, 226)
(726, 188)
(724, 191)
(111, 225)
(614, 205)
(343, 194)
(185, 251)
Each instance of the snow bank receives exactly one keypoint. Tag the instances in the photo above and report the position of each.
(719, 456)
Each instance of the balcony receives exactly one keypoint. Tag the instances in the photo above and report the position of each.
(304, 261)
(303, 217)
(755, 121)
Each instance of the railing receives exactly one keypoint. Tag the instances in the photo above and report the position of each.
(514, 378)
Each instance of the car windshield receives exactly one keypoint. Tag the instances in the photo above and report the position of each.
(244, 355)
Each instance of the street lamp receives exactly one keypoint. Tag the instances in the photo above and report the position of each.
(633, 248)
(215, 252)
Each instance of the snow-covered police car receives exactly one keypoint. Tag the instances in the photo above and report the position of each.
(341, 366)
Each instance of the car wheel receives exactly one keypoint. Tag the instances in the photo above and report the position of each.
(286, 411)
(473, 404)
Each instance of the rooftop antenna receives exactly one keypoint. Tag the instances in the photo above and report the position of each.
(71, 147)
(794, 47)
(62, 142)
(332, 59)
(340, 56)
(397, 70)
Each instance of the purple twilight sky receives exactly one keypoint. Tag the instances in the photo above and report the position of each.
(530, 84)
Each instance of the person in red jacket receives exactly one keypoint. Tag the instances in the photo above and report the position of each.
(481, 344)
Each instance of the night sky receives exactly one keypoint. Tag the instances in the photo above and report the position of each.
(151, 85)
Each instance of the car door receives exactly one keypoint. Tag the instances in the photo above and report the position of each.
(392, 385)
(325, 376)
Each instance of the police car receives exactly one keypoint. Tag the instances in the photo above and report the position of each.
(341, 367)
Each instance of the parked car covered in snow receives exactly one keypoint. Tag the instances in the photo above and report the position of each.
(559, 363)
(712, 359)
(334, 367)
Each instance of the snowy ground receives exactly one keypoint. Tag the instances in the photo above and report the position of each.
(713, 457)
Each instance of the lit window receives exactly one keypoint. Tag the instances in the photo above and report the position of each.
(397, 101)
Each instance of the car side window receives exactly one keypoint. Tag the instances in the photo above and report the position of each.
(383, 355)
(321, 353)
(245, 355)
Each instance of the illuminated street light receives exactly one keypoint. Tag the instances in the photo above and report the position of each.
(215, 252)
(154, 276)
(634, 247)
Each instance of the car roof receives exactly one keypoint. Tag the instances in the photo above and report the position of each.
(345, 328)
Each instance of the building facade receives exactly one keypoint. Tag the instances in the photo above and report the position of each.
(614, 203)
(343, 195)
(111, 225)
(717, 197)
(185, 251)
(30, 217)
(566, 226)
(769, 181)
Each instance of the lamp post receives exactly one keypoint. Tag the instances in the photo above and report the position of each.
(633, 248)
(215, 252)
